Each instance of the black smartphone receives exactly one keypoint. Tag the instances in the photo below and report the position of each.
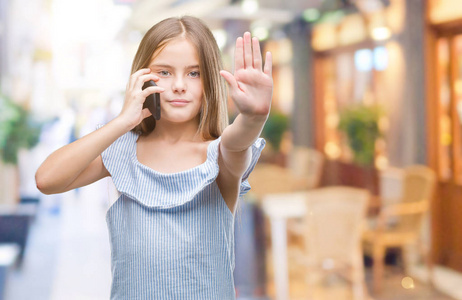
(152, 101)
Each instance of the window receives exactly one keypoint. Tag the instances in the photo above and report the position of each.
(345, 78)
(449, 52)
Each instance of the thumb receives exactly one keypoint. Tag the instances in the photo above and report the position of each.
(229, 79)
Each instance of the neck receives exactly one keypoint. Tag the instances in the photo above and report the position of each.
(176, 132)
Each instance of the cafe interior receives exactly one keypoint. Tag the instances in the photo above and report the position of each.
(357, 194)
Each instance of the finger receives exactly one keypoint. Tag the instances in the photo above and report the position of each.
(146, 113)
(151, 90)
(144, 78)
(239, 55)
(247, 51)
(256, 53)
(230, 80)
(268, 69)
(134, 76)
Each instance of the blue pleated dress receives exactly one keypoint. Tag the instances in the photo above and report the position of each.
(171, 235)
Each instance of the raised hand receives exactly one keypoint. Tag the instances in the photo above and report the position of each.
(251, 86)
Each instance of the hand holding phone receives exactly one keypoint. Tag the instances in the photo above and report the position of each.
(152, 101)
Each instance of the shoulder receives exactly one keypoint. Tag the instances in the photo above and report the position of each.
(116, 155)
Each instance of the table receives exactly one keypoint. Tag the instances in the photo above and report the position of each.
(280, 207)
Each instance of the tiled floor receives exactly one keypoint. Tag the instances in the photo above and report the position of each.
(334, 287)
(68, 257)
(68, 254)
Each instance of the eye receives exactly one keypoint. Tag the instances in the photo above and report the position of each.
(194, 74)
(164, 73)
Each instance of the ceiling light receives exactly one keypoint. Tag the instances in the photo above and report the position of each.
(381, 33)
(249, 7)
(260, 29)
(261, 33)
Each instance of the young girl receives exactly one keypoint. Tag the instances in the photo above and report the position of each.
(179, 178)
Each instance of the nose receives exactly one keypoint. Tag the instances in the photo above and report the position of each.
(179, 85)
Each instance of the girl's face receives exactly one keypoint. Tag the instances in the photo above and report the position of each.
(177, 66)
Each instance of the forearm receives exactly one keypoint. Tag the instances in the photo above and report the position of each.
(64, 165)
(240, 135)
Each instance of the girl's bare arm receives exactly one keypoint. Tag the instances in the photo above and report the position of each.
(80, 163)
(251, 88)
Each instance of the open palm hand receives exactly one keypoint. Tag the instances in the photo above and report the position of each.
(251, 86)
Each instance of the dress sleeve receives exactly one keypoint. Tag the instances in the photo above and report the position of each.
(116, 159)
(257, 147)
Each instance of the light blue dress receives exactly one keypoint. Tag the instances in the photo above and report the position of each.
(171, 235)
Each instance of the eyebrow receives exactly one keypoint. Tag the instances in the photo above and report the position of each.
(171, 67)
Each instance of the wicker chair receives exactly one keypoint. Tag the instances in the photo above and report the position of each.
(303, 173)
(306, 165)
(399, 224)
(334, 224)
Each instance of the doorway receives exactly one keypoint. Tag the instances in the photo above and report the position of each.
(447, 148)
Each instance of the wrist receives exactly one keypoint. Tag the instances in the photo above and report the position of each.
(122, 124)
(254, 118)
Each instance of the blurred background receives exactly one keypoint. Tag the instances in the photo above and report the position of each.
(356, 196)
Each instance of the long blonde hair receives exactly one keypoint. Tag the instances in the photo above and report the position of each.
(213, 114)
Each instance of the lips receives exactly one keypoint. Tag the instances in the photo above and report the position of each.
(178, 102)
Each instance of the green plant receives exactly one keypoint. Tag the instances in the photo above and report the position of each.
(360, 124)
(17, 130)
(276, 124)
